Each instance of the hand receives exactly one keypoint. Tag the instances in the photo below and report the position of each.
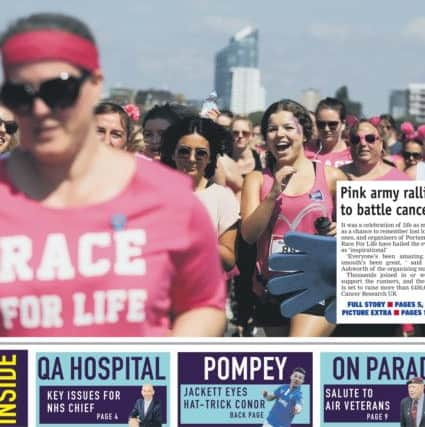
(212, 114)
(281, 179)
(331, 230)
(133, 422)
(315, 276)
(297, 409)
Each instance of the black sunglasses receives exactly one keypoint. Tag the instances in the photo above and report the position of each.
(407, 155)
(10, 126)
(185, 152)
(322, 125)
(60, 92)
(370, 138)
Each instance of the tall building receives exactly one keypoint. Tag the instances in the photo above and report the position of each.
(417, 101)
(247, 94)
(399, 103)
(237, 76)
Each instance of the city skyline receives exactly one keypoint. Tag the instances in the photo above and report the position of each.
(371, 48)
(237, 74)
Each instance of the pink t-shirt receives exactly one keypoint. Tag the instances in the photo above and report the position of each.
(117, 268)
(394, 174)
(334, 159)
(292, 213)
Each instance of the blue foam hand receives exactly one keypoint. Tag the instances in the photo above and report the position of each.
(313, 276)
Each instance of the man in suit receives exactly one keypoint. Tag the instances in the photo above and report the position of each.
(412, 408)
(147, 410)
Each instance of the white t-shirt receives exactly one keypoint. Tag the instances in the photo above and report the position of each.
(222, 206)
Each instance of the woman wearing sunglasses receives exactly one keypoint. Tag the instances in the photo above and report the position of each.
(114, 249)
(192, 146)
(246, 158)
(8, 131)
(330, 148)
(289, 196)
(367, 151)
(412, 144)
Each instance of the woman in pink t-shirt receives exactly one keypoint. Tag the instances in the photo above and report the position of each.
(93, 242)
(330, 148)
(369, 163)
(289, 196)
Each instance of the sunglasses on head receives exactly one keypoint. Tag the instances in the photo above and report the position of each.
(408, 154)
(245, 133)
(10, 126)
(185, 152)
(57, 93)
(322, 124)
(370, 138)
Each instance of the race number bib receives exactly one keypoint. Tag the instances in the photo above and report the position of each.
(278, 246)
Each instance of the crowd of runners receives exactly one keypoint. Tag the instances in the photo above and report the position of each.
(116, 223)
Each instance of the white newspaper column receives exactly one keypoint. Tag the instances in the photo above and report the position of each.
(380, 252)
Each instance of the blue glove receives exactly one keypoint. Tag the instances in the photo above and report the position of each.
(314, 273)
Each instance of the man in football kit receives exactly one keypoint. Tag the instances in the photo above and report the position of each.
(288, 401)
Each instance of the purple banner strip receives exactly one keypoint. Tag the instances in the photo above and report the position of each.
(92, 405)
(362, 402)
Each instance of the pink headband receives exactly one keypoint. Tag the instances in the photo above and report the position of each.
(50, 44)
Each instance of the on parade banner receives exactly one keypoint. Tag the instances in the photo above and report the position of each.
(223, 389)
(359, 389)
(91, 389)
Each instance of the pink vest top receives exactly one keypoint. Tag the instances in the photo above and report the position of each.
(292, 213)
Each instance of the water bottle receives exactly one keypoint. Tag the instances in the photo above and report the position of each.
(210, 103)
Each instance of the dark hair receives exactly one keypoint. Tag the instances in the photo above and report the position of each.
(332, 104)
(300, 112)
(388, 118)
(300, 370)
(227, 113)
(354, 129)
(415, 138)
(54, 21)
(210, 130)
(170, 112)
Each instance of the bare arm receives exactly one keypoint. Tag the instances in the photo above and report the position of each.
(226, 248)
(200, 322)
(333, 175)
(256, 214)
(220, 175)
(234, 179)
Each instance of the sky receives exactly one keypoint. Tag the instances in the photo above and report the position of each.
(371, 47)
